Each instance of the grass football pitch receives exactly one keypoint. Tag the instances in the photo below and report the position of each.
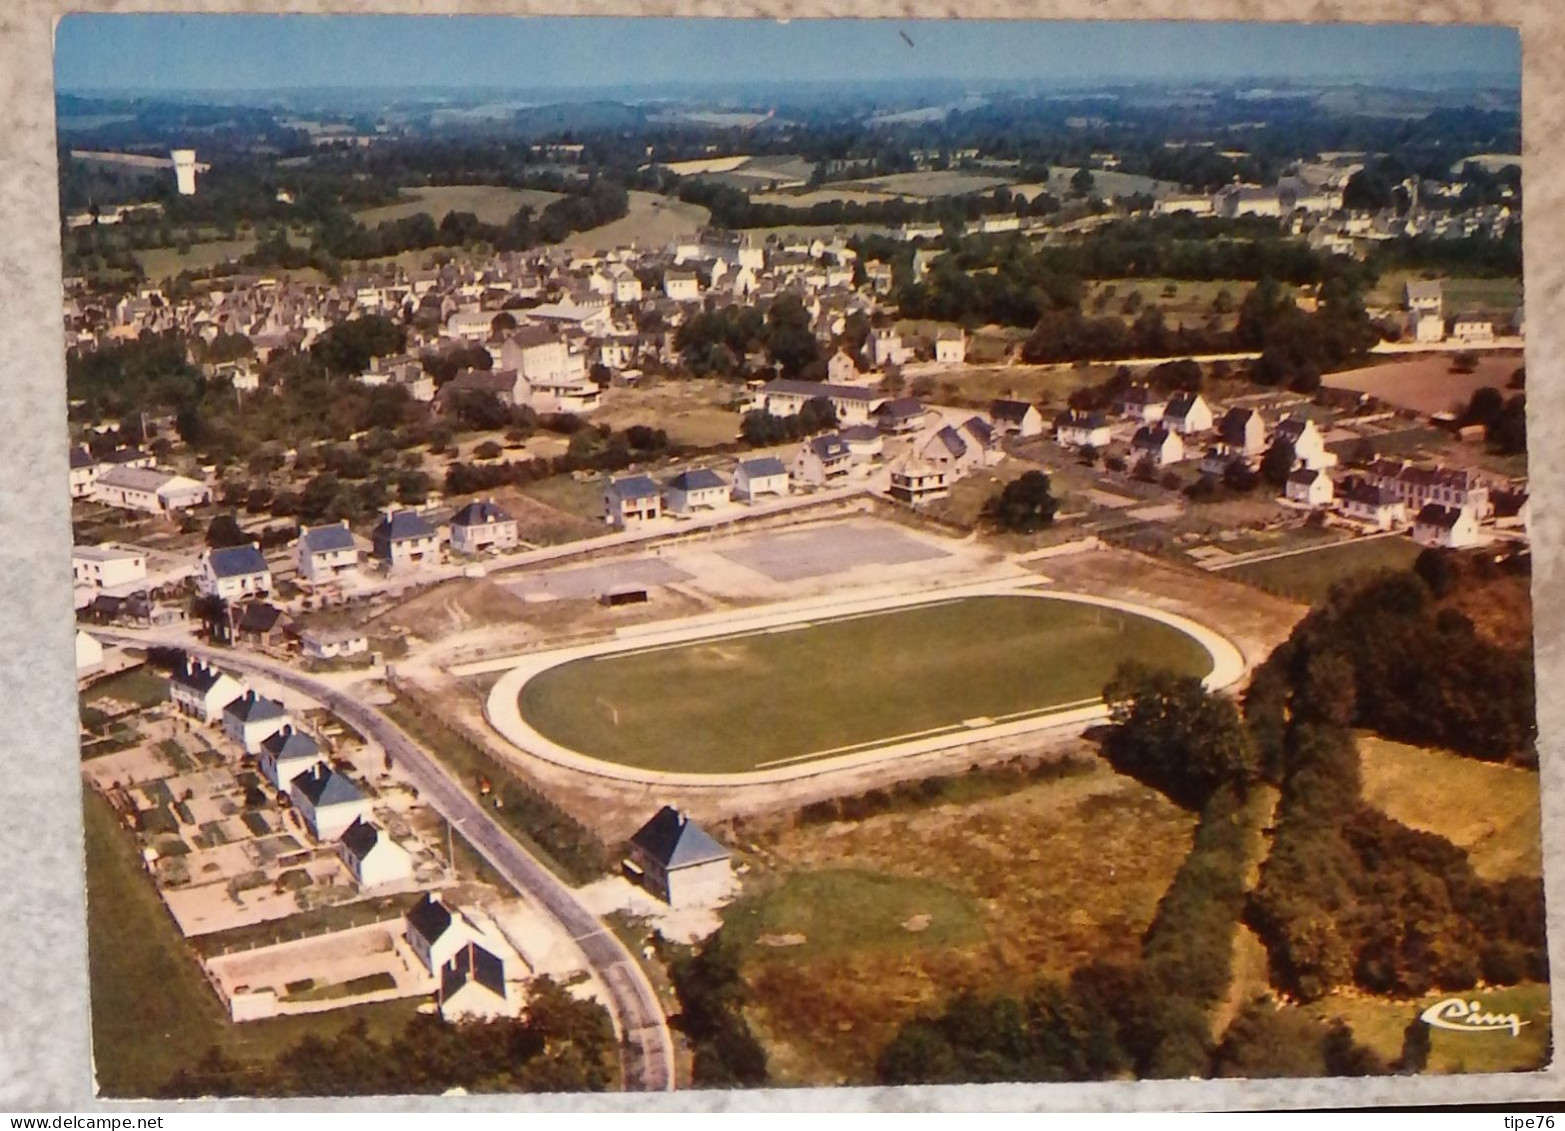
(786, 695)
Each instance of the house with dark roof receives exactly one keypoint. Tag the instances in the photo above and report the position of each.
(674, 859)
(631, 501)
(1188, 414)
(900, 416)
(949, 449)
(1307, 441)
(1143, 403)
(286, 754)
(1016, 418)
(915, 482)
(1242, 432)
(1309, 487)
(1162, 446)
(324, 554)
(251, 719)
(696, 488)
(759, 477)
(435, 931)
(473, 985)
(1075, 429)
(402, 539)
(202, 691)
(483, 525)
(373, 859)
(1455, 528)
(327, 801)
(853, 403)
(234, 572)
(261, 623)
(84, 471)
(821, 461)
(1380, 507)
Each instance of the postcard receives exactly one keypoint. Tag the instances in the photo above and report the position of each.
(620, 554)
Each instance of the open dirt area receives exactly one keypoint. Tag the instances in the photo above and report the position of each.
(1426, 384)
(652, 221)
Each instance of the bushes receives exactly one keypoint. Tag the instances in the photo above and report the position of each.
(711, 998)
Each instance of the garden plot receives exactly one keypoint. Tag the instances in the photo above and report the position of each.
(323, 972)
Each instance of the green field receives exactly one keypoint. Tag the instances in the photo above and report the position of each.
(166, 262)
(841, 910)
(1503, 836)
(1461, 293)
(1308, 577)
(1379, 1023)
(152, 1010)
(492, 204)
(786, 695)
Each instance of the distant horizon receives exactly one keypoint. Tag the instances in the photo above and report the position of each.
(180, 54)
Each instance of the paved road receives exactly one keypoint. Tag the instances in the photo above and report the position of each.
(649, 1053)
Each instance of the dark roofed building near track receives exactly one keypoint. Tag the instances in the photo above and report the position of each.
(678, 862)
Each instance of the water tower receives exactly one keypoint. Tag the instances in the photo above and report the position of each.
(185, 170)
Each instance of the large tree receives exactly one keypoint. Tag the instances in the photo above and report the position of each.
(1024, 505)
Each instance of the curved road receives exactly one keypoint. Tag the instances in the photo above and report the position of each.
(649, 1049)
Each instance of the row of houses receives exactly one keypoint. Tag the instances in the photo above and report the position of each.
(131, 480)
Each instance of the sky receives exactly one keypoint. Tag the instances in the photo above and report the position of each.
(228, 53)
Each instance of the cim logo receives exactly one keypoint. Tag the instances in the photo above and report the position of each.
(1462, 1016)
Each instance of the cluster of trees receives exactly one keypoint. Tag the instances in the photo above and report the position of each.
(1504, 419)
(733, 208)
(1348, 896)
(712, 996)
(1025, 505)
(761, 429)
(1297, 347)
(559, 1044)
(715, 342)
(1387, 655)
(590, 449)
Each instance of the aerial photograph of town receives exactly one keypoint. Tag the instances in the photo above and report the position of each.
(629, 554)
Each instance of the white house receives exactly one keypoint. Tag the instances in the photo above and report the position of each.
(853, 404)
(89, 654)
(285, 755)
(373, 859)
(631, 501)
(900, 416)
(251, 719)
(436, 932)
(1454, 527)
(149, 490)
(951, 346)
(1016, 418)
(402, 539)
(682, 286)
(1417, 486)
(841, 367)
(1143, 403)
(1188, 414)
(915, 481)
(698, 488)
(84, 471)
(107, 566)
(948, 448)
(330, 644)
(887, 348)
(539, 356)
(201, 691)
(483, 525)
(1309, 446)
(1380, 507)
(1426, 328)
(678, 862)
(1472, 329)
(473, 986)
(1161, 445)
(1424, 296)
(764, 475)
(1242, 432)
(1309, 487)
(327, 801)
(1074, 429)
(822, 460)
(325, 553)
(234, 572)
